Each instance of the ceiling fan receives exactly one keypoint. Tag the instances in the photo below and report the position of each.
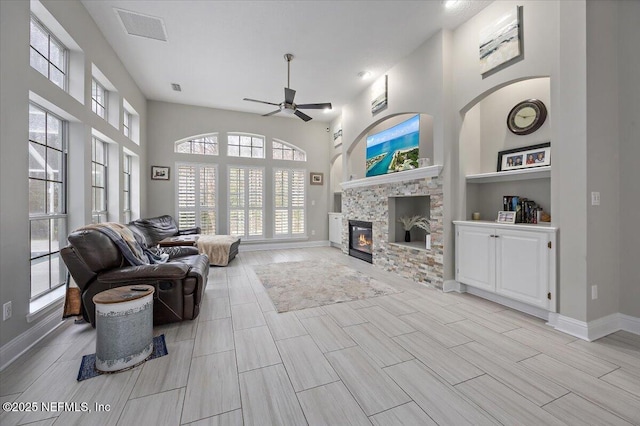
(288, 105)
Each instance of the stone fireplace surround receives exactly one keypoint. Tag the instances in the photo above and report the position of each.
(368, 200)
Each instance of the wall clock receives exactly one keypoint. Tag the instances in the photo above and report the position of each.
(526, 117)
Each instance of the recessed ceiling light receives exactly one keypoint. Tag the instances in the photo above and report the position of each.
(364, 74)
(449, 4)
(176, 87)
(327, 110)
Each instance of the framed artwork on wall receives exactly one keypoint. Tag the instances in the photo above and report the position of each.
(316, 178)
(160, 173)
(525, 157)
(501, 42)
(379, 95)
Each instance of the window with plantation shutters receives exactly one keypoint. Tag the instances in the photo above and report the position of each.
(197, 197)
(289, 202)
(246, 201)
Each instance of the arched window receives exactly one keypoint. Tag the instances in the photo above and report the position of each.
(282, 150)
(202, 145)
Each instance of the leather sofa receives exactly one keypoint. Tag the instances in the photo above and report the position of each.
(96, 264)
(151, 231)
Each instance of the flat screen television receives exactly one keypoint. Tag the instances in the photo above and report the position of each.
(390, 149)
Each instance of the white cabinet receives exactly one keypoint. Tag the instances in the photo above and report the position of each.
(335, 228)
(514, 261)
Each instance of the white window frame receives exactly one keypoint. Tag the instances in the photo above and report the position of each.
(98, 216)
(99, 108)
(252, 148)
(289, 207)
(246, 207)
(65, 53)
(198, 209)
(288, 145)
(127, 161)
(50, 216)
(127, 119)
(202, 139)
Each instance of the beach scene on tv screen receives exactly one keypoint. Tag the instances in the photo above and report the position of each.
(394, 149)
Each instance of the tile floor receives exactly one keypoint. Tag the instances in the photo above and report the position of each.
(417, 357)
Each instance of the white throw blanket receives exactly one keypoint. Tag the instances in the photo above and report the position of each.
(216, 247)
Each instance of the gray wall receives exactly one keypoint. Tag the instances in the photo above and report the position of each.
(169, 123)
(19, 84)
(629, 152)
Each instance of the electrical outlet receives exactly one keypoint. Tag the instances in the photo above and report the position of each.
(594, 292)
(595, 198)
(313, 202)
(6, 311)
(313, 232)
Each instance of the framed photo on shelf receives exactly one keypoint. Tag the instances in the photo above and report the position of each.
(506, 217)
(316, 178)
(160, 173)
(525, 157)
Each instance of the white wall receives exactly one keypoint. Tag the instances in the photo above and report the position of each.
(169, 123)
(19, 84)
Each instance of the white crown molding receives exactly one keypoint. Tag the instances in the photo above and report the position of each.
(403, 176)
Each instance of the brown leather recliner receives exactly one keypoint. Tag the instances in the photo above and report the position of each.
(96, 264)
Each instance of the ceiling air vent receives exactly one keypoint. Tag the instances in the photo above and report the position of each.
(176, 87)
(142, 25)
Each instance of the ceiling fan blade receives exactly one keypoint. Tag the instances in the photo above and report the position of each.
(271, 113)
(315, 106)
(289, 94)
(302, 115)
(260, 102)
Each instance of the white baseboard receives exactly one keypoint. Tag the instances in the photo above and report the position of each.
(283, 245)
(453, 285)
(25, 341)
(510, 303)
(597, 328)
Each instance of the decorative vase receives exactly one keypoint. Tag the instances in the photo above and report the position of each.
(407, 236)
(428, 242)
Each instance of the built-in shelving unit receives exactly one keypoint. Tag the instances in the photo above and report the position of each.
(511, 175)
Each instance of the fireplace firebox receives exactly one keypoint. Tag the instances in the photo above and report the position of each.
(361, 240)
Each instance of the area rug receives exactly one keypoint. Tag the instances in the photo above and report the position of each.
(88, 365)
(299, 285)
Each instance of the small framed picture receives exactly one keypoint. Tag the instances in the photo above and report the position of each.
(160, 173)
(506, 217)
(525, 158)
(316, 178)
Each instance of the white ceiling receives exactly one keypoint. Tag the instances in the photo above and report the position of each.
(223, 51)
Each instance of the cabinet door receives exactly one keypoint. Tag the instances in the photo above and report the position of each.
(522, 266)
(335, 228)
(475, 257)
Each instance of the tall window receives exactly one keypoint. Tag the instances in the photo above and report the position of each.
(99, 180)
(47, 200)
(245, 145)
(197, 194)
(281, 150)
(47, 54)
(205, 145)
(98, 98)
(126, 123)
(289, 202)
(126, 187)
(246, 201)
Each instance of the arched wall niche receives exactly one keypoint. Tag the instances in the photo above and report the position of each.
(356, 152)
(484, 133)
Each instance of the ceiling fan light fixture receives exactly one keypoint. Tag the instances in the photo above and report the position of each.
(327, 110)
